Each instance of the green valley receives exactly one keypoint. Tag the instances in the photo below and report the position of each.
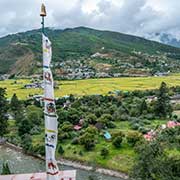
(89, 86)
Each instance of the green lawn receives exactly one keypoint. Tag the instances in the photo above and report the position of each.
(121, 159)
(91, 86)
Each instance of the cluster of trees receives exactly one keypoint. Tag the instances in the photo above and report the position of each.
(160, 158)
(94, 114)
(3, 112)
(106, 110)
(29, 122)
(94, 110)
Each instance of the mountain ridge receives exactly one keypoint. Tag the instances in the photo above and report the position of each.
(80, 44)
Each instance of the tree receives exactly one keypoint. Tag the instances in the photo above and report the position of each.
(133, 137)
(159, 158)
(67, 127)
(74, 116)
(26, 142)
(34, 115)
(143, 106)
(24, 127)
(63, 115)
(91, 118)
(87, 139)
(3, 112)
(15, 104)
(6, 169)
(117, 141)
(104, 152)
(163, 107)
(60, 150)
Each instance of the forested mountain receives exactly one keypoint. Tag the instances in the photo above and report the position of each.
(83, 51)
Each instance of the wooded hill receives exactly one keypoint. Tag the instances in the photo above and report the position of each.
(98, 51)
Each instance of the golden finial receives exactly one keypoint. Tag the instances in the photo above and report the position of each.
(43, 10)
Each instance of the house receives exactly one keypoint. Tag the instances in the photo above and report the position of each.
(175, 99)
(151, 98)
(4, 77)
(161, 74)
(77, 127)
(33, 85)
(107, 135)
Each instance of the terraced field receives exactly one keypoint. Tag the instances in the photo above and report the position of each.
(91, 86)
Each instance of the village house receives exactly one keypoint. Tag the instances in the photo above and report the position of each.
(175, 99)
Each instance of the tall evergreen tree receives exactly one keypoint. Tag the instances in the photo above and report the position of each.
(163, 107)
(3, 112)
(24, 127)
(143, 106)
(14, 103)
(15, 106)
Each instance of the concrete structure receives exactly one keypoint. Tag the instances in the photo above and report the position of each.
(63, 175)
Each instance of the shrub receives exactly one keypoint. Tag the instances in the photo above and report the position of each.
(80, 153)
(116, 134)
(5, 169)
(24, 127)
(111, 125)
(135, 126)
(26, 142)
(75, 141)
(175, 117)
(105, 119)
(40, 150)
(35, 130)
(91, 130)
(117, 141)
(133, 137)
(124, 117)
(64, 135)
(66, 127)
(88, 141)
(150, 116)
(143, 130)
(145, 121)
(91, 118)
(60, 150)
(134, 119)
(134, 111)
(104, 152)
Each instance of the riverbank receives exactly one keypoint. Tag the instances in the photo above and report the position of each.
(74, 164)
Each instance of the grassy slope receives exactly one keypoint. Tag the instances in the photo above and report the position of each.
(91, 86)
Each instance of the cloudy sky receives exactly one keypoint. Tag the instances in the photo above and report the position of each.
(138, 17)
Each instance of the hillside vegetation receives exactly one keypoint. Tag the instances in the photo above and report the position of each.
(87, 51)
(137, 142)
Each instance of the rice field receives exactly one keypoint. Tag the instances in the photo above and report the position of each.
(91, 86)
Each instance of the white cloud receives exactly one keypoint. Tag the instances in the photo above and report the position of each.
(139, 17)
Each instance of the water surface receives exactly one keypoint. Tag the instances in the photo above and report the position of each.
(21, 163)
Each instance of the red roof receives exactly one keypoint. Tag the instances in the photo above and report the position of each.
(77, 127)
(63, 175)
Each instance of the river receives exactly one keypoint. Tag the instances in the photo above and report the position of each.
(21, 163)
